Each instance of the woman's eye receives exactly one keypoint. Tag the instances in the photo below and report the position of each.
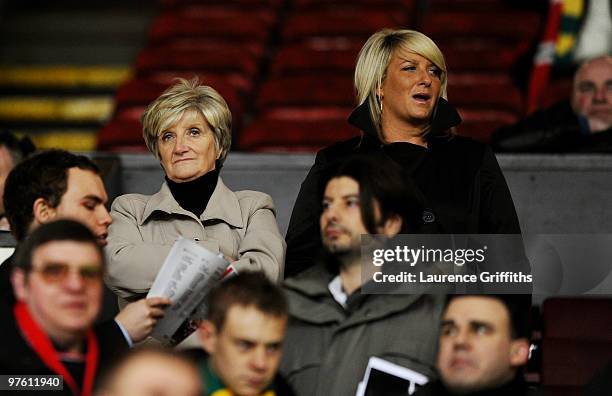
(352, 202)
(434, 71)
(409, 68)
(166, 136)
(194, 132)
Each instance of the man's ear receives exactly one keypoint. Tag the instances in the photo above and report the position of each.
(43, 212)
(392, 226)
(18, 279)
(519, 352)
(208, 336)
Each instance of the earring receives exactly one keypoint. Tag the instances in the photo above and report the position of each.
(381, 103)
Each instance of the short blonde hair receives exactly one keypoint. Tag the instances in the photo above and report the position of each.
(374, 58)
(182, 96)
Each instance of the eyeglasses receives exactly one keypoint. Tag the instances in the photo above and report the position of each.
(55, 273)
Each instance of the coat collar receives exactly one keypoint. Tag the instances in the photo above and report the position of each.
(444, 117)
(223, 205)
(311, 300)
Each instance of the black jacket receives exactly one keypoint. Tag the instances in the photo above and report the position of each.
(516, 387)
(556, 129)
(18, 357)
(460, 180)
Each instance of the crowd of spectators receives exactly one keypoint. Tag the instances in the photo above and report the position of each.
(295, 324)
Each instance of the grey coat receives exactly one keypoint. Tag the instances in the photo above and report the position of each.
(241, 225)
(327, 347)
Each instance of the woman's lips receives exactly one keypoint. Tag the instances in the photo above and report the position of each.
(421, 97)
(182, 160)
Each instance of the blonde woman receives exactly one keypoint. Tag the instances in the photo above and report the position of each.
(188, 129)
(401, 85)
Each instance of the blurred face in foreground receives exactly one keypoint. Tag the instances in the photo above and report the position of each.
(63, 289)
(477, 351)
(154, 374)
(246, 351)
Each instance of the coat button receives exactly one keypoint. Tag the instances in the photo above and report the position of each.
(428, 217)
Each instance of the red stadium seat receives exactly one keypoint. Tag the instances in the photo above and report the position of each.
(250, 48)
(348, 23)
(291, 135)
(206, 12)
(304, 91)
(302, 58)
(480, 124)
(510, 24)
(228, 60)
(168, 27)
(577, 341)
(121, 135)
(142, 91)
(482, 91)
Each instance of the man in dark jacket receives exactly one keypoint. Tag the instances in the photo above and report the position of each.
(57, 278)
(583, 124)
(484, 342)
(334, 328)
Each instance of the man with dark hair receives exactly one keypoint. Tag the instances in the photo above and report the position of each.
(333, 328)
(12, 151)
(243, 335)
(57, 278)
(56, 184)
(484, 342)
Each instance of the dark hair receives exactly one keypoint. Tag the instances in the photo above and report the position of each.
(518, 307)
(246, 289)
(44, 175)
(17, 148)
(55, 231)
(382, 180)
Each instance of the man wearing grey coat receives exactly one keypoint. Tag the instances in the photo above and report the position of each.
(334, 328)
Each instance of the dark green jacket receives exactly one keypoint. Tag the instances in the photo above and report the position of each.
(327, 347)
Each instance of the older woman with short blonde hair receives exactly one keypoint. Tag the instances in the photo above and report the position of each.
(188, 129)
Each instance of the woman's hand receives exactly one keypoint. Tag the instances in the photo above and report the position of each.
(139, 318)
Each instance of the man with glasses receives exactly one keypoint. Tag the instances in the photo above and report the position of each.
(57, 278)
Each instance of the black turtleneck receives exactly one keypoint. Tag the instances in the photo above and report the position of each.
(195, 194)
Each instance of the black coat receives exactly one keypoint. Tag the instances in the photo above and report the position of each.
(516, 387)
(556, 129)
(18, 357)
(463, 187)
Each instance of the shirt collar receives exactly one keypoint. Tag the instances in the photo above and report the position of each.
(223, 205)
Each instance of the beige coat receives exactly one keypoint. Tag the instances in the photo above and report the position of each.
(241, 225)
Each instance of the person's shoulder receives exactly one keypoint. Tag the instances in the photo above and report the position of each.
(254, 199)
(131, 200)
(345, 147)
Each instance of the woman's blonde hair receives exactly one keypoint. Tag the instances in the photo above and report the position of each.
(374, 58)
(182, 96)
